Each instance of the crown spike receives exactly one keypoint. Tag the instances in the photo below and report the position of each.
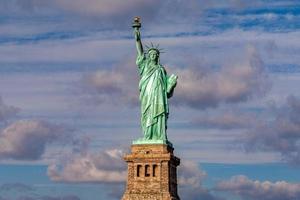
(152, 46)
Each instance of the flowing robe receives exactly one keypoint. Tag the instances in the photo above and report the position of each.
(154, 95)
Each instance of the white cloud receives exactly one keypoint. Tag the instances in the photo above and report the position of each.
(190, 174)
(236, 83)
(253, 190)
(85, 166)
(107, 167)
(118, 85)
(27, 140)
(106, 7)
(190, 178)
(280, 134)
(117, 14)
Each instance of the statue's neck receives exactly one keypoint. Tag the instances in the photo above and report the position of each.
(153, 62)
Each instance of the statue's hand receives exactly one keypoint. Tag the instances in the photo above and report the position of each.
(137, 34)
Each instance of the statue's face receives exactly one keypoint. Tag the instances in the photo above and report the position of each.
(153, 55)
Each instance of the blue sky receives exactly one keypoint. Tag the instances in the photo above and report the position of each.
(69, 96)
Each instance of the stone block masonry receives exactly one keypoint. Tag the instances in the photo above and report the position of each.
(152, 173)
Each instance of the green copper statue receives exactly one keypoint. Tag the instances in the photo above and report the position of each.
(155, 88)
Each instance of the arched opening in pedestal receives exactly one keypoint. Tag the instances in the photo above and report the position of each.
(147, 170)
(138, 170)
(154, 170)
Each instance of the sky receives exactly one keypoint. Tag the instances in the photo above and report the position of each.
(69, 107)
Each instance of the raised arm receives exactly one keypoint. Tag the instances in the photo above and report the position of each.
(138, 42)
(137, 25)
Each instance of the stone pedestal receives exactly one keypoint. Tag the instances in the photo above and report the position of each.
(152, 173)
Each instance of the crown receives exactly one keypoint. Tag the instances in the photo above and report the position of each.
(154, 48)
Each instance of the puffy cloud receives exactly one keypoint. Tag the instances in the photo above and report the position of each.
(27, 140)
(106, 7)
(116, 85)
(280, 134)
(236, 83)
(107, 167)
(116, 14)
(84, 166)
(190, 177)
(7, 111)
(66, 19)
(86, 7)
(249, 189)
(190, 174)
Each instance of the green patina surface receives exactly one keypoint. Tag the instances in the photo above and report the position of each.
(155, 87)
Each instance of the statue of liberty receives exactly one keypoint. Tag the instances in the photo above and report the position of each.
(155, 88)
